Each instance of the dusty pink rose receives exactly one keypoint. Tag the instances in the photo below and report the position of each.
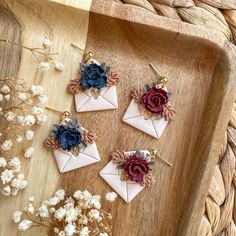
(135, 168)
(154, 100)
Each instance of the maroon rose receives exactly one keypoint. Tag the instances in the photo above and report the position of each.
(135, 168)
(154, 100)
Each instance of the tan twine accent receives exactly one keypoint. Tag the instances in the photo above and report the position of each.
(219, 217)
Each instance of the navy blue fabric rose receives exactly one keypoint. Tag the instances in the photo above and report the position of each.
(93, 75)
(67, 137)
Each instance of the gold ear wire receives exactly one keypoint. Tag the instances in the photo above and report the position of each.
(162, 80)
(87, 55)
(154, 154)
(64, 114)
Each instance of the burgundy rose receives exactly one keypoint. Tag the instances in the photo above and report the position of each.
(136, 167)
(154, 100)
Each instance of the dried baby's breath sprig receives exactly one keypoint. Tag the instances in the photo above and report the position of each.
(11, 180)
(80, 214)
(21, 111)
(137, 94)
(118, 156)
(42, 54)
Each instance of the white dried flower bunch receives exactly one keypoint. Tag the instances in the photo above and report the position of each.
(43, 54)
(11, 180)
(80, 214)
(21, 111)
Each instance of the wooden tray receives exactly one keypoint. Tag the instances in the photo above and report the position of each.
(201, 70)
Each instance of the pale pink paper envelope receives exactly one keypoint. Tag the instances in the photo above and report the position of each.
(106, 100)
(66, 161)
(134, 117)
(126, 189)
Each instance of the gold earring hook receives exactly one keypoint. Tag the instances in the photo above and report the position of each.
(163, 80)
(64, 114)
(87, 55)
(154, 154)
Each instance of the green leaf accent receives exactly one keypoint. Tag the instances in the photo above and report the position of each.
(146, 87)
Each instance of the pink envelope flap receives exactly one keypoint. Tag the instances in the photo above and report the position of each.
(134, 117)
(66, 161)
(107, 99)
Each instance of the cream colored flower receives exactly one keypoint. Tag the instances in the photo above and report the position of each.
(111, 196)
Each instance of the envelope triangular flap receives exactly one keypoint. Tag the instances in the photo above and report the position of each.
(132, 111)
(111, 95)
(92, 151)
(79, 161)
(160, 125)
(61, 159)
(133, 190)
(119, 186)
(110, 169)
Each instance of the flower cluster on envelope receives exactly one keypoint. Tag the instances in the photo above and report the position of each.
(72, 145)
(150, 109)
(129, 172)
(95, 88)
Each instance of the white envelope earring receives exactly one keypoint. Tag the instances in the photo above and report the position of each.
(150, 108)
(129, 172)
(73, 146)
(95, 87)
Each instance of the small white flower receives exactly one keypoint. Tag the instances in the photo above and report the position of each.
(72, 214)
(29, 134)
(59, 66)
(7, 97)
(36, 89)
(24, 225)
(95, 201)
(16, 216)
(10, 116)
(60, 193)
(3, 162)
(21, 176)
(19, 138)
(5, 89)
(37, 110)
(53, 201)
(77, 195)
(20, 120)
(43, 66)
(29, 152)
(62, 233)
(1, 97)
(83, 220)
(22, 96)
(52, 210)
(15, 162)
(41, 118)
(111, 196)
(29, 120)
(84, 231)
(103, 234)
(60, 213)
(97, 205)
(93, 214)
(69, 229)
(30, 208)
(7, 176)
(46, 43)
(43, 211)
(6, 145)
(43, 99)
(6, 190)
(31, 199)
(19, 184)
(56, 230)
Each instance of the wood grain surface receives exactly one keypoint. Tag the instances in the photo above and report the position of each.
(200, 68)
